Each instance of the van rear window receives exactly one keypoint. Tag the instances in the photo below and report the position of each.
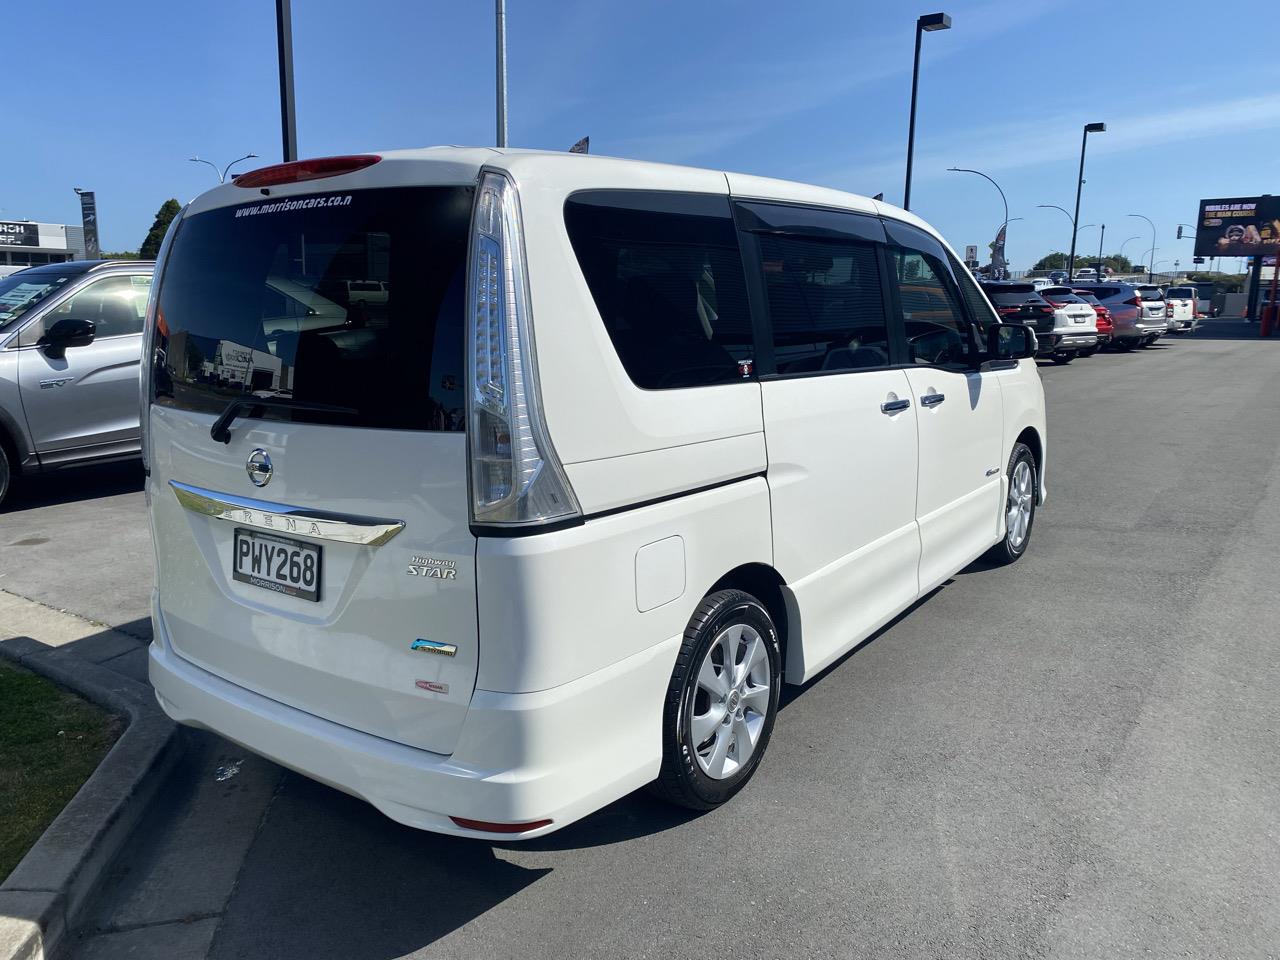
(352, 300)
(666, 275)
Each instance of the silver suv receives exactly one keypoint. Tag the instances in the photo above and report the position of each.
(70, 341)
(1138, 311)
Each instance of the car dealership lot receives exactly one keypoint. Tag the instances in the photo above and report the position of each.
(1072, 756)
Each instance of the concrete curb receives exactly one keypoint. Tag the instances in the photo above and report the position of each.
(43, 898)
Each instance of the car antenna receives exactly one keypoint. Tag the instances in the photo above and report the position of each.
(879, 196)
(582, 146)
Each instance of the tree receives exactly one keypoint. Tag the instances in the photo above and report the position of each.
(155, 236)
(1058, 261)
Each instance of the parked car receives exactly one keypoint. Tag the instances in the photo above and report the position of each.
(1184, 316)
(70, 340)
(1106, 329)
(662, 495)
(1085, 274)
(1137, 311)
(1040, 283)
(1016, 301)
(1057, 276)
(1075, 325)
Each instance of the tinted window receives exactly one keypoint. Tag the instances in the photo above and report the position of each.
(826, 309)
(1012, 296)
(936, 329)
(1108, 292)
(979, 306)
(666, 276)
(1150, 293)
(1181, 293)
(1060, 295)
(258, 299)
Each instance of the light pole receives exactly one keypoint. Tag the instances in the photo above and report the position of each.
(1084, 142)
(1150, 272)
(994, 184)
(1066, 213)
(501, 30)
(284, 54)
(926, 24)
(1126, 243)
(222, 174)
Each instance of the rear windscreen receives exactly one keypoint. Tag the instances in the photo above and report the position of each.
(1181, 293)
(1150, 293)
(353, 300)
(1012, 297)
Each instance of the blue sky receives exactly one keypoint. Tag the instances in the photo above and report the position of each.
(115, 97)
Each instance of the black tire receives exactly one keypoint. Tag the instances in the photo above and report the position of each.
(1063, 357)
(1006, 551)
(682, 780)
(6, 474)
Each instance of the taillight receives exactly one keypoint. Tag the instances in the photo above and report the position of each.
(299, 170)
(516, 478)
(148, 339)
(1136, 301)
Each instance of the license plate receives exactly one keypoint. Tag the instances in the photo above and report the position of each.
(279, 564)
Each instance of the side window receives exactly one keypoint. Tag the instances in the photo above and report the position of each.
(826, 310)
(666, 275)
(936, 329)
(115, 305)
(980, 308)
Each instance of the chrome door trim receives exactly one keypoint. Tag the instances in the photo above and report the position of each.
(282, 518)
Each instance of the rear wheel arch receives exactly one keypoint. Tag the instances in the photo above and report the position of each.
(1031, 437)
(767, 585)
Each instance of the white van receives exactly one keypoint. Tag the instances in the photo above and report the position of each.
(626, 446)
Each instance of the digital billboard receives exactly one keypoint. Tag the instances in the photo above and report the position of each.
(1238, 227)
(19, 234)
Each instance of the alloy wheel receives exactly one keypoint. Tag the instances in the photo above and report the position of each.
(731, 701)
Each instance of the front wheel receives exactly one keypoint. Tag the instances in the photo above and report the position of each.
(6, 474)
(721, 702)
(1019, 507)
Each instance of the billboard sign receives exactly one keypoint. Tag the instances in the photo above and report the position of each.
(1238, 227)
(89, 217)
(19, 234)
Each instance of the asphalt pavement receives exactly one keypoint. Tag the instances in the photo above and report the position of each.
(1070, 757)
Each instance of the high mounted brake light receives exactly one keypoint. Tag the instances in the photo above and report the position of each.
(299, 170)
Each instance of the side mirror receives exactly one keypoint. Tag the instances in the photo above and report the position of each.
(1013, 341)
(67, 332)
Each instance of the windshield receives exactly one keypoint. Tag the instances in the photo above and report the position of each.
(1150, 293)
(276, 299)
(22, 291)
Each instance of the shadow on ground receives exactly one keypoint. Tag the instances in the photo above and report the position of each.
(74, 484)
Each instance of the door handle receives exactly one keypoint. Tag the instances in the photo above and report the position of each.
(932, 399)
(894, 406)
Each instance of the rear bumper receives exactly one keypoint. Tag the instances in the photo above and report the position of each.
(555, 755)
(1071, 341)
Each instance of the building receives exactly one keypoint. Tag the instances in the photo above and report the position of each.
(25, 243)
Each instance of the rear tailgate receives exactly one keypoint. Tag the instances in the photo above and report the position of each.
(320, 557)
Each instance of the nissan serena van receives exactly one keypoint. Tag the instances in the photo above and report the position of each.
(623, 448)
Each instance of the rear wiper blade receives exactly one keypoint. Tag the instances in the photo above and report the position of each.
(221, 432)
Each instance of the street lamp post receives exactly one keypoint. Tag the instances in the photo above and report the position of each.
(501, 30)
(222, 174)
(1150, 272)
(994, 184)
(1066, 213)
(284, 53)
(1084, 142)
(926, 24)
(1126, 243)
